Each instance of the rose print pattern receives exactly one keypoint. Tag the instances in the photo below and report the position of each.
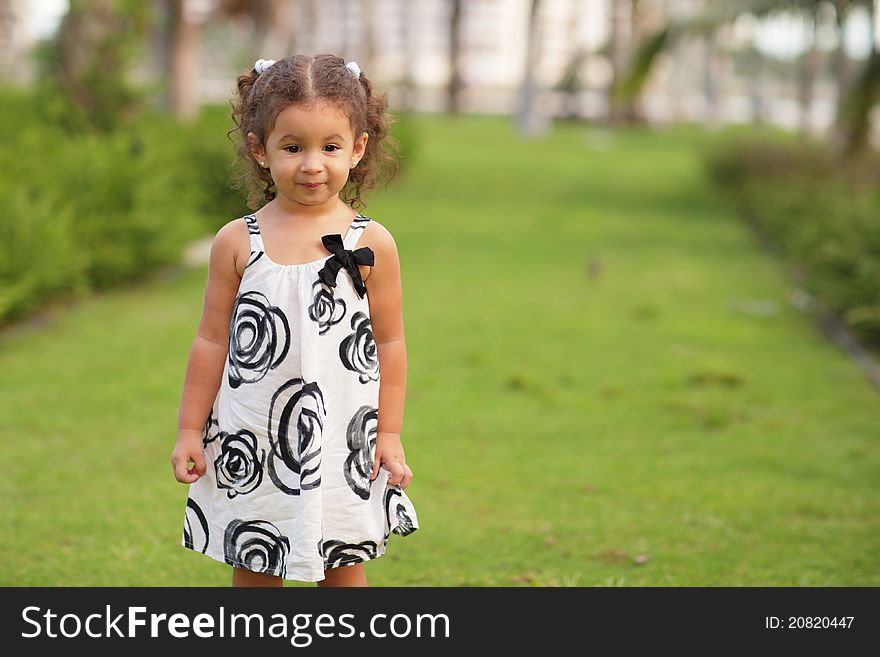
(395, 513)
(358, 351)
(212, 429)
(290, 437)
(326, 309)
(340, 553)
(195, 527)
(259, 337)
(257, 545)
(361, 437)
(296, 423)
(239, 466)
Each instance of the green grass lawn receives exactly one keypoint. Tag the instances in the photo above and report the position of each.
(593, 396)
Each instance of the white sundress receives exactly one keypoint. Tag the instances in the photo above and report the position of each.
(291, 437)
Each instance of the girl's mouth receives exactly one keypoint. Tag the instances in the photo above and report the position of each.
(312, 185)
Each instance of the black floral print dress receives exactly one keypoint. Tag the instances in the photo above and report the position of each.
(291, 437)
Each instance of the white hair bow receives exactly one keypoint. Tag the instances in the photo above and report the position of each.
(262, 64)
(354, 68)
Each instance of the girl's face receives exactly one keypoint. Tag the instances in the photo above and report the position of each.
(310, 144)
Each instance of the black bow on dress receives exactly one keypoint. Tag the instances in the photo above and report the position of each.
(347, 258)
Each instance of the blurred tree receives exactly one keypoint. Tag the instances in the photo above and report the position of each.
(856, 100)
(371, 37)
(273, 21)
(810, 62)
(181, 28)
(183, 35)
(854, 116)
(623, 33)
(841, 65)
(710, 76)
(570, 82)
(453, 94)
(408, 84)
(531, 120)
(307, 34)
(82, 71)
(8, 21)
(757, 83)
(853, 125)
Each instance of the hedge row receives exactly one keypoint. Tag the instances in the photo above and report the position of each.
(93, 211)
(820, 213)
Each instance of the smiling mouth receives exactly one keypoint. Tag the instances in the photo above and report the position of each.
(312, 185)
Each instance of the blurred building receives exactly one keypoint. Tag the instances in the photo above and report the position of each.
(745, 71)
(748, 70)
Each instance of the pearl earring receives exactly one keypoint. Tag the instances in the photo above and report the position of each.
(262, 164)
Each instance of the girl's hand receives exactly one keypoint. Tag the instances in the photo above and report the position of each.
(189, 447)
(389, 452)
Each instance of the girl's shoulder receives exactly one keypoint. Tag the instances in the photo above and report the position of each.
(234, 237)
(377, 237)
(386, 260)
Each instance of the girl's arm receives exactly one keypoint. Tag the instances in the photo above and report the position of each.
(384, 292)
(208, 354)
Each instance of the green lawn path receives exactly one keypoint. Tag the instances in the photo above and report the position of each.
(590, 402)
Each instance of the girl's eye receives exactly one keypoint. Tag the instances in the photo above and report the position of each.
(334, 146)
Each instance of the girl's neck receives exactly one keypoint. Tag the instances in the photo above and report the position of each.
(290, 211)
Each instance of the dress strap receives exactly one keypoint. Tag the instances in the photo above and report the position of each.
(355, 231)
(351, 236)
(254, 234)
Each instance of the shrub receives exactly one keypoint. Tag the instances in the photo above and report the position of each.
(819, 212)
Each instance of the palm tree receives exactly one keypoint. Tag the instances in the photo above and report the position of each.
(371, 36)
(87, 60)
(408, 84)
(853, 124)
(718, 14)
(8, 28)
(453, 91)
(624, 30)
(180, 37)
(570, 82)
(183, 42)
(531, 121)
(808, 70)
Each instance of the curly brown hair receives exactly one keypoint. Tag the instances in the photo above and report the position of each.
(303, 79)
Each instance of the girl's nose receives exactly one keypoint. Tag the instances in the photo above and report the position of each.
(311, 164)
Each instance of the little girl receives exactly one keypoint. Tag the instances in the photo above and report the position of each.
(297, 467)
